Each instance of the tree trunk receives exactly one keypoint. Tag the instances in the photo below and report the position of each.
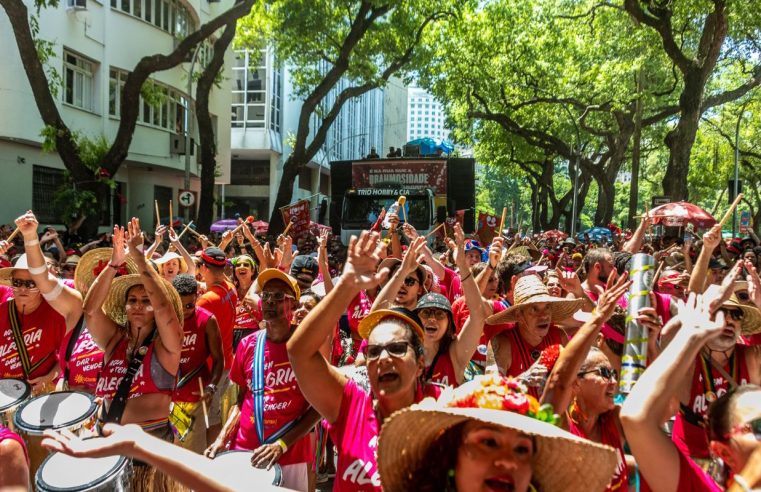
(206, 135)
(291, 170)
(631, 222)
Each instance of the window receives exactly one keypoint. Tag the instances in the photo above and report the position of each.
(169, 112)
(168, 15)
(250, 91)
(78, 81)
(46, 181)
(250, 172)
(305, 179)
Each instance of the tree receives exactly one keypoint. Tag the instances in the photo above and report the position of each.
(337, 50)
(694, 35)
(63, 138)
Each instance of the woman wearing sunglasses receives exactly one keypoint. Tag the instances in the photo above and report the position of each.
(394, 364)
(734, 418)
(247, 315)
(584, 383)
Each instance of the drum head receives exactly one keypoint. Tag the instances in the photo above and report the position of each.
(238, 464)
(13, 392)
(62, 473)
(54, 411)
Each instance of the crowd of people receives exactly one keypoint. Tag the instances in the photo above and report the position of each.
(393, 363)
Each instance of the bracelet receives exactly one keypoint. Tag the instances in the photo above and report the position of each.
(37, 270)
(739, 480)
(282, 445)
(33, 242)
(466, 277)
(53, 294)
(115, 267)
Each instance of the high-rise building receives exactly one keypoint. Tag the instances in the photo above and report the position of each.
(425, 116)
(96, 44)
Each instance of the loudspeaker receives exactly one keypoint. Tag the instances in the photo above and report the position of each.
(340, 180)
(461, 190)
(731, 185)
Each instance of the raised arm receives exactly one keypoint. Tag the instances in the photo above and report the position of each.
(169, 328)
(66, 301)
(100, 326)
(643, 410)
(175, 241)
(634, 244)
(711, 239)
(559, 386)
(495, 256)
(158, 238)
(409, 264)
(322, 260)
(321, 383)
(462, 348)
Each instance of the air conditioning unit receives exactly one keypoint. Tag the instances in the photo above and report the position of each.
(177, 144)
(76, 4)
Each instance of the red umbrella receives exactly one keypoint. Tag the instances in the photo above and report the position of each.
(678, 213)
(558, 235)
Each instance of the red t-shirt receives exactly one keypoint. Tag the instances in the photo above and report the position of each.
(283, 400)
(115, 368)
(358, 309)
(691, 478)
(85, 361)
(195, 353)
(460, 313)
(43, 331)
(221, 300)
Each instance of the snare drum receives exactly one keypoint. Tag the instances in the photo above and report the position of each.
(60, 472)
(13, 392)
(72, 410)
(238, 464)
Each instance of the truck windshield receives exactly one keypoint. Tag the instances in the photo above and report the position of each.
(361, 212)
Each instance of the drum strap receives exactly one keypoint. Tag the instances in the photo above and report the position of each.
(257, 389)
(119, 402)
(18, 337)
(70, 347)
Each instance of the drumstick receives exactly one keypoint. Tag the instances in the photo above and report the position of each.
(731, 209)
(185, 230)
(402, 201)
(158, 215)
(287, 228)
(203, 403)
(13, 235)
(434, 231)
(171, 218)
(502, 222)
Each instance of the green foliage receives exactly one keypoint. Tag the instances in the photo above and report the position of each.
(46, 50)
(69, 203)
(153, 94)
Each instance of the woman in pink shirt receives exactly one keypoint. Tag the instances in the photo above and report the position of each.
(394, 365)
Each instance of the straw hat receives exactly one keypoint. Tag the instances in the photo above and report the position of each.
(751, 322)
(169, 256)
(562, 461)
(93, 262)
(6, 274)
(531, 290)
(113, 306)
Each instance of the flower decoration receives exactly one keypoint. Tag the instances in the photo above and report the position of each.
(495, 392)
(549, 356)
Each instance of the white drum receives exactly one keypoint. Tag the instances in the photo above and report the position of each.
(238, 464)
(62, 473)
(13, 392)
(72, 410)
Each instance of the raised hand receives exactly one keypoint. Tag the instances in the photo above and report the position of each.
(173, 236)
(569, 280)
(28, 224)
(608, 299)
(410, 231)
(116, 440)
(495, 251)
(362, 258)
(135, 237)
(160, 231)
(754, 284)
(697, 319)
(414, 256)
(457, 245)
(727, 287)
(322, 246)
(712, 238)
(119, 242)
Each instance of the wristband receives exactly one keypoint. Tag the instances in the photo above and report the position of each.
(742, 483)
(282, 445)
(115, 267)
(463, 279)
(33, 242)
(53, 294)
(37, 270)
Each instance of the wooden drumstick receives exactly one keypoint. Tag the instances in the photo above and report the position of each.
(13, 235)
(185, 230)
(158, 215)
(402, 201)
(203, 403)
(434, 231)
(731, 209)
(287, 228)
(171, 216)
(502, 222)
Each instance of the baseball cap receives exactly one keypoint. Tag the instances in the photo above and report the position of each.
(305, 264)
(214, 256)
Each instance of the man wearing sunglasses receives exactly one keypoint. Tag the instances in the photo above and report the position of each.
(733, 418)
(201, 341)
(271, 417)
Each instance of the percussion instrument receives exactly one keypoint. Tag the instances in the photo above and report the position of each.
(238, 464)
(72, 410)
(60, 472)
(13, 392)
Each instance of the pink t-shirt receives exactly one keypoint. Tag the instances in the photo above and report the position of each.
(691, 478)
(5, 293)
(359, 307)
(283, 400)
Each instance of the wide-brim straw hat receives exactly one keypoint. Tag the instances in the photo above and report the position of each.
(751, 322)
(531, 290)
(169, 256)
(562, 461)
(6, 274)
(113, 307)
(92, 263)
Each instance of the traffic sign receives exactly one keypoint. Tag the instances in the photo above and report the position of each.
(187, 198)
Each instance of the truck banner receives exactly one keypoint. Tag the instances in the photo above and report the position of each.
(744, 221)
(403, 174)
(297, 214)
(487, 225)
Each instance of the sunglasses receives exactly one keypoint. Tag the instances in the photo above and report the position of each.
(604, 372)
(410, 281)
(394, 349)
(735, 314)
(18, 283)
(276, 296)
(753, 426)
(743, 296)
(427, 313)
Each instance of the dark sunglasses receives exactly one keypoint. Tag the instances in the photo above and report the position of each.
(735, 314)
(410, 281)
(428, 313)
(605, 372)
(276, 296)
(18, 283)
(394, 349)
(743, 296)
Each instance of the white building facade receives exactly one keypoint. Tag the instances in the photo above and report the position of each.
(95, 49)
(426, 117)
(265, 120)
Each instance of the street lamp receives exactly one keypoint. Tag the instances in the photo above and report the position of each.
(737, 164)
